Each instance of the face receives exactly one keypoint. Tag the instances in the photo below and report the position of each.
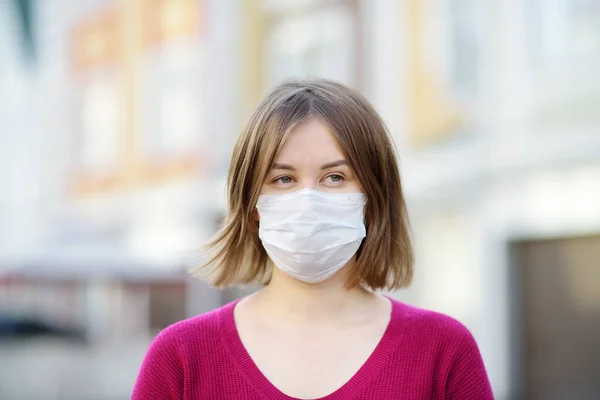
(311, 159)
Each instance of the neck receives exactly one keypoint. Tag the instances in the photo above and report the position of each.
(291, 299)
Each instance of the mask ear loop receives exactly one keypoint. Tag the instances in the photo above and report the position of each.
(366, 222)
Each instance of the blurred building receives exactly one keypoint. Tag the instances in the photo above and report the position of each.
(118, 120)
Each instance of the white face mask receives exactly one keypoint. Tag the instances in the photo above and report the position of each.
(310, 235)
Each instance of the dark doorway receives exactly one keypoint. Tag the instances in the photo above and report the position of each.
(557, 318)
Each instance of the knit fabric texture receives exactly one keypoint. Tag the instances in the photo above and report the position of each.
(422, 355)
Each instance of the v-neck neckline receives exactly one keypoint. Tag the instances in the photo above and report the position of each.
(378, 359)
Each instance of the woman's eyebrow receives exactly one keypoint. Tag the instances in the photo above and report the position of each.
(289, 167)
(283, 166)
(334, 164)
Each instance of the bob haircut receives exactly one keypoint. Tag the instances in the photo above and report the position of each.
(385, 257)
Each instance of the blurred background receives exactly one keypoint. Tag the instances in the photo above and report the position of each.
(118, 117)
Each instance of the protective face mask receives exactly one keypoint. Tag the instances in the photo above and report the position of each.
(310, 235)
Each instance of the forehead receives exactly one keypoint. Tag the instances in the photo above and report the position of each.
(311, 141)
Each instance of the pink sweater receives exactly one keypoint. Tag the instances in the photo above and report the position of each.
(422, 355)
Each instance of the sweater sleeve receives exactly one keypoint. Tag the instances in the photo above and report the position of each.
(467, 377)
(161, 373)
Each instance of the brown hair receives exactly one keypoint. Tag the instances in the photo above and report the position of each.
(385, 258)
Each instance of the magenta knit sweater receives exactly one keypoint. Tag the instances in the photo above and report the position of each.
(422, 355)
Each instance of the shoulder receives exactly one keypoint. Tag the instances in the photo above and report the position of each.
(173, 355)
(433, 328)
(442, 352)
(200, 332)
(447, 353)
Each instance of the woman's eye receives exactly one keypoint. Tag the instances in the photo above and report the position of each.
(335, 178)
(284, 179)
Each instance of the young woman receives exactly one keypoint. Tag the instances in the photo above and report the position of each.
(317, 215)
